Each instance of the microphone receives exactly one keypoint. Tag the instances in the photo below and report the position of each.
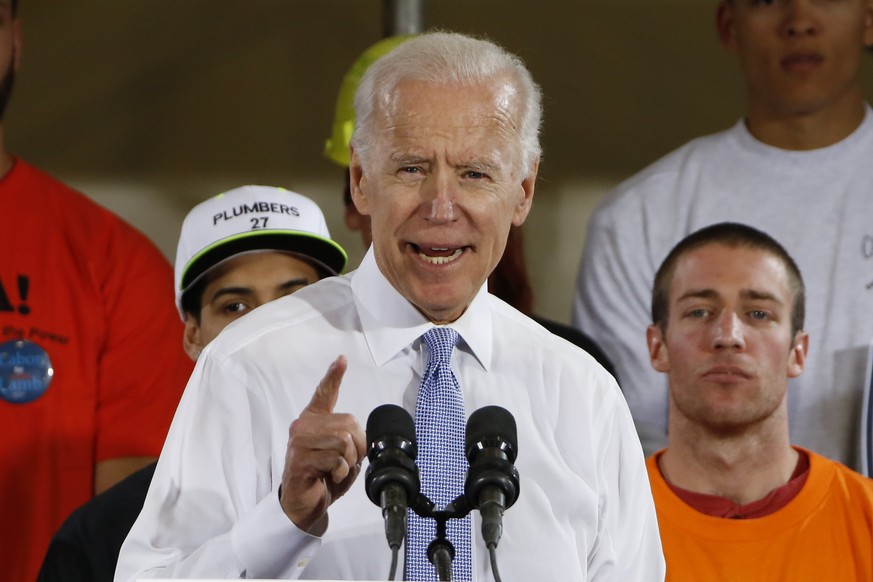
(492, 482)
(392, 480)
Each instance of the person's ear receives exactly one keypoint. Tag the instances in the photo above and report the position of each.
(797, 355)
(358, 183)
(868, 24)
(353, 218)
(725, 24)
(17, 35)
(355, 221)
(659, 357)
(522, 209)
(192, 338)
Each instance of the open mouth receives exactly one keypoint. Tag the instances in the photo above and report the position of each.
(439, 255)
(802, 61)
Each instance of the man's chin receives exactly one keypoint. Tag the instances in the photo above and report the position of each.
(441, 311)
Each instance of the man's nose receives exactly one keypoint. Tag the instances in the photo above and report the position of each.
(728, 331)
(800, 18)
(440, 194)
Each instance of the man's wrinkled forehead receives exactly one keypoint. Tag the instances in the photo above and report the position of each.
(497, 98)
(486, 121)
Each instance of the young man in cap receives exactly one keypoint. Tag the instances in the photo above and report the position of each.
(244, 248)
(237, 250)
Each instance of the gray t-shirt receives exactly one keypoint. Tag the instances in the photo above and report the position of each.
(817, 203)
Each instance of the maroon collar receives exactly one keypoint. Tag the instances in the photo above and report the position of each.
(778, 498)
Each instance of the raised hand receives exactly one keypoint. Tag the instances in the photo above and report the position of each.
(324, 455)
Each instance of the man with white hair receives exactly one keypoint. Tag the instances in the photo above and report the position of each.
(443, 160)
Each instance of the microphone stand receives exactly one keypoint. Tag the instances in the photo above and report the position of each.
(440, 551)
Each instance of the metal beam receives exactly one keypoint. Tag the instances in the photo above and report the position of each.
(401, 17)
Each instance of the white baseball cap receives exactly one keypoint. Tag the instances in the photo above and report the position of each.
(249, 219)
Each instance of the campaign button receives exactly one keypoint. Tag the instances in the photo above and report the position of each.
(25, 371)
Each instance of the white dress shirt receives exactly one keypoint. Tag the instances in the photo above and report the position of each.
(584, 511)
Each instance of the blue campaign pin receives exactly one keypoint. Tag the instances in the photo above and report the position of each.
(25, 371)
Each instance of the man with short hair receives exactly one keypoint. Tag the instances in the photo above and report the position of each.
(735, 500)
(797, 167)
(237, 250)
(444, 159)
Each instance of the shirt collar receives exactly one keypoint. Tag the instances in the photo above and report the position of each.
(847, 146)
(391, 323)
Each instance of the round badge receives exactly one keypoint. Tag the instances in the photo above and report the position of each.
(25, 371)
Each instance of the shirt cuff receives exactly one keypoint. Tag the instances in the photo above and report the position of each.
(269, 545)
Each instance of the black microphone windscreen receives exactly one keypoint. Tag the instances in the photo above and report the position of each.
(490, 425)
(389, 420)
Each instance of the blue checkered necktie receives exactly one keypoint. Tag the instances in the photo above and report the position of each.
(439, 427)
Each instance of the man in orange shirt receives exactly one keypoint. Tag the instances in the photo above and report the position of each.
(735, 500)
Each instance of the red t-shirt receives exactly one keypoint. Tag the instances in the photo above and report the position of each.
(101, 367)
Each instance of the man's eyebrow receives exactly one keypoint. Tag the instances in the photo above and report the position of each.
(760, 296)
(248, 291)
(698, 294)
(238, 290)
(291, 283)
(405, 158)
(745, 294)
(486, 166)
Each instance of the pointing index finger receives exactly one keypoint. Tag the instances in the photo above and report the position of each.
(327, 392)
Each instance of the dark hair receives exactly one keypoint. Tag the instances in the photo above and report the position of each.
(509, 279)
(733, 235)
(347, 189)
(192, 299)
(14, 8)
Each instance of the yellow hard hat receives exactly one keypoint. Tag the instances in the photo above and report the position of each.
(337, 146)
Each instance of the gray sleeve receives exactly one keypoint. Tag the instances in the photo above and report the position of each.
(612, 305)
